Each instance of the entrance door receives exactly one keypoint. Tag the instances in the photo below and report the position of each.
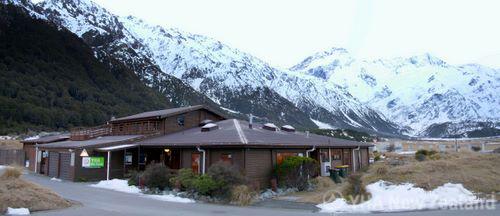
(195, 162)
(173, 158)
(54, 164)
(346, 158)
(65, 165)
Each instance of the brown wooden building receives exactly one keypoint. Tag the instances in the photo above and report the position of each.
(189, 137)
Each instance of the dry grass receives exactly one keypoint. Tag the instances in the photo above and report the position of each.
(10, 144)
(477, 172)
(325, 190)
(18, 193)
(242, 195)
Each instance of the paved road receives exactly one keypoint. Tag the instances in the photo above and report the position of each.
(96, 201)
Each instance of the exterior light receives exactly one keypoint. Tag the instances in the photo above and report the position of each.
(167, 150)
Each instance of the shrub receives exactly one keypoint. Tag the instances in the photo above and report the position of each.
(205, 185)
(226, 176)
(226, 173)
(12, 173)
(134, 178)
(157, 176)
(242, 195)
(476, 148)
(295, 172)
(185, 178)
(355, 191)
(423, 154)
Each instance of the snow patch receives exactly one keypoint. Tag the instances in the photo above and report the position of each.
(17, 211)
(322, 125)
(56, 179)
(33, 137)
(387, 197)
(122, 186)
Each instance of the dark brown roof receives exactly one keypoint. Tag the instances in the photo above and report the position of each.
(165, 113)
(97, 142)
(234, 132)
(47, 139)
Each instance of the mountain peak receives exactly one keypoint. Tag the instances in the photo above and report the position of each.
(335, 55)
(426, 59)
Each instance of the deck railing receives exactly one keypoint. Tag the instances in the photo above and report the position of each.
(89, 133)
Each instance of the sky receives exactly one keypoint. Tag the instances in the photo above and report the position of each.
(284, 32)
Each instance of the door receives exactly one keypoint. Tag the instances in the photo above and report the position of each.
(172, 158)
(346, 157)
(65, 165)
(54, 164)
(195, 162)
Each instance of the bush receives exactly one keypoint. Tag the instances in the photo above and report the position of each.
(294, 172)
(242, 195)
(157, 176)
(355, 191)
(185, 178)
(205, 185)
(226, 176)
(226, 173)
(134, 178)
(423, 154)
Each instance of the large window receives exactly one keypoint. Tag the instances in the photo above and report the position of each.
(281, 156)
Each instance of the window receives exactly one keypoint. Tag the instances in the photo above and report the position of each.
(180, 121)
(226, 158)
(336, 154)
(281, 156)
(195, 162)
(128, 158)
(324, 155)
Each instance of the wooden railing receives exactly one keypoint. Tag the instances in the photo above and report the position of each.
(89, 133)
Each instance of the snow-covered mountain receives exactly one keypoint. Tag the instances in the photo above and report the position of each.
(232, 79)
(328, 88)
(423, 93)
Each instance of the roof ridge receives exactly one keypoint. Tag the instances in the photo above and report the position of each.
(241, 134)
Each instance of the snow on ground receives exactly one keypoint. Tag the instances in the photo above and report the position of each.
(55, 179)
(117, 185)
(405, 197)
(17, 211)
(322, 125)
(122, 186)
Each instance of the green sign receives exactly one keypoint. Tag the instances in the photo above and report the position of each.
(93, 162)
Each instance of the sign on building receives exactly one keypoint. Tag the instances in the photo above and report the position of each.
(92, 162)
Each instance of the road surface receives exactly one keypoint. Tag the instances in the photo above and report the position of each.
(97, 201)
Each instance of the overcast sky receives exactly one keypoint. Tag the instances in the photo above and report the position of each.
(283, 32)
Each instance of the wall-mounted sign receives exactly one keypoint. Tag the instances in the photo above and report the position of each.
(92, 162)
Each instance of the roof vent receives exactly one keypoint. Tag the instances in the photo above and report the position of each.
(209, 127)
(287, 128)
(206, 121)
(270, 126)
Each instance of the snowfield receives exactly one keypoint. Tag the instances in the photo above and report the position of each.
(405, 197)
(122, 186)
(17, 211)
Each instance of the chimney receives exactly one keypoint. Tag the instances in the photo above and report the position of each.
(250, 124)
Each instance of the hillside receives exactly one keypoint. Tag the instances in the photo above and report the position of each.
(51, 80)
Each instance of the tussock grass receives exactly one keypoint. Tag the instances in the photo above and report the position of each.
(242, 195)
(477, 172)
(16, 192)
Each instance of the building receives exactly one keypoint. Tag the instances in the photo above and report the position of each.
(190, 137)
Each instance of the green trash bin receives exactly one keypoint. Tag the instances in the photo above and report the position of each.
(343, 170)
(334, 175)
